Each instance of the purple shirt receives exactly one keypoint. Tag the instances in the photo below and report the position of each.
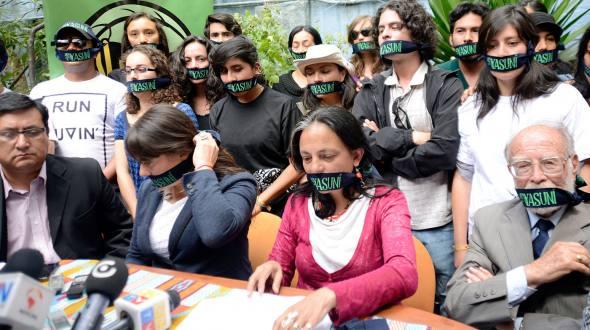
(26, 214)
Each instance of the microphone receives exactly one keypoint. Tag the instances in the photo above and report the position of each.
(24, 302)
(104, 284)
(148, 309)
(27, 261)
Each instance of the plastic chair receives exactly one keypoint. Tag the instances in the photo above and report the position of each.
(424, 297)
(261, 237)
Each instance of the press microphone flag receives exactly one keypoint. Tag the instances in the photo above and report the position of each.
(147, 309)
(24, 302)
(104, 284)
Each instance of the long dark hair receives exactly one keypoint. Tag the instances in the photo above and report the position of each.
(178, 67)
(348, 129)
(166, 130)
(580, 80)
(536, 80)
(356, 59)
(170, 94)
(238, 47)
(312, 102)
(162, 45)
(317, 39)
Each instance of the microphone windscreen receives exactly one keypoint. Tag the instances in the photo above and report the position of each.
(27, 261)
(108, 278)
(174, 299)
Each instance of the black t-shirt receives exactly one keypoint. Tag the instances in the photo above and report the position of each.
(258, 133)
(288, 85)
(203, 122)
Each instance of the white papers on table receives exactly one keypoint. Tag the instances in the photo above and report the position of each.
(236, 310)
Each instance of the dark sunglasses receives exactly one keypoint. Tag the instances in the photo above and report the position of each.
(355, 34)
(64, 43)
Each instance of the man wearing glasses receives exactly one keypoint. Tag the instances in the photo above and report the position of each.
(409, 114)
(82, 103)
(63, 207)
(528, 257)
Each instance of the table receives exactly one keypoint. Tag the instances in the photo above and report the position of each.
(397, 312)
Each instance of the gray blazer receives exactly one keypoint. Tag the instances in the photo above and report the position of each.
(501, 241)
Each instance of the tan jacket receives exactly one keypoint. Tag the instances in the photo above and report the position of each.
(501, 241)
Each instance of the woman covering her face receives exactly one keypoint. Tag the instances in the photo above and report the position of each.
(513, 92)
(148, 82)
(194, 210)
(255, 122)
(347, 236)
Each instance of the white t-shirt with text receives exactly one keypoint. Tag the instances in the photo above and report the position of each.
(82, 115)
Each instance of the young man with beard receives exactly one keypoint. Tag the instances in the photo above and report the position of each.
(465, 21)
(82, 103)
(528, 257)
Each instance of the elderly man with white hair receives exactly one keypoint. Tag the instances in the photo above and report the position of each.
(528, 257)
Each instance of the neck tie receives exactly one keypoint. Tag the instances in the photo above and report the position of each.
(540, 241)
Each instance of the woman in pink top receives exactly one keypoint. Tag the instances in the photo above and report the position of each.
(349, 238)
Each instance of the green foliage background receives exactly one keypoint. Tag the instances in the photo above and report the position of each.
(270, 40)
(15, 34)
(562, 11)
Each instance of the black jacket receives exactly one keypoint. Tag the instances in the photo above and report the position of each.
(86, 217)
(392, 148)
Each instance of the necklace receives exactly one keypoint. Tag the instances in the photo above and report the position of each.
(337, 215)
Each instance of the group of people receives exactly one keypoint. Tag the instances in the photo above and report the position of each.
(165, 161)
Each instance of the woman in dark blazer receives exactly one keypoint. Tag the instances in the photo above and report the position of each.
(194, 212)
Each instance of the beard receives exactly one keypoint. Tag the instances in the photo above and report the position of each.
(569, 185)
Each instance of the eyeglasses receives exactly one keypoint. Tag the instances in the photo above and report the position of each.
(139, 69)
(64, 43)
(399, 113)
(355, 34)
(523, 169)
(11, 134)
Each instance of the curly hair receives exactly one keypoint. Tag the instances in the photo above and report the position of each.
(417, 20)
(179, 72)
(356, 59)
(170, 94)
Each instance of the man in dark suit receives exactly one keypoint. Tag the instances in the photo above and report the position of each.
(63, 207)
(528, 258)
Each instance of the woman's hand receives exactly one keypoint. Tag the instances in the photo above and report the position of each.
(206, 151)
(308, 312)
(257, 280)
